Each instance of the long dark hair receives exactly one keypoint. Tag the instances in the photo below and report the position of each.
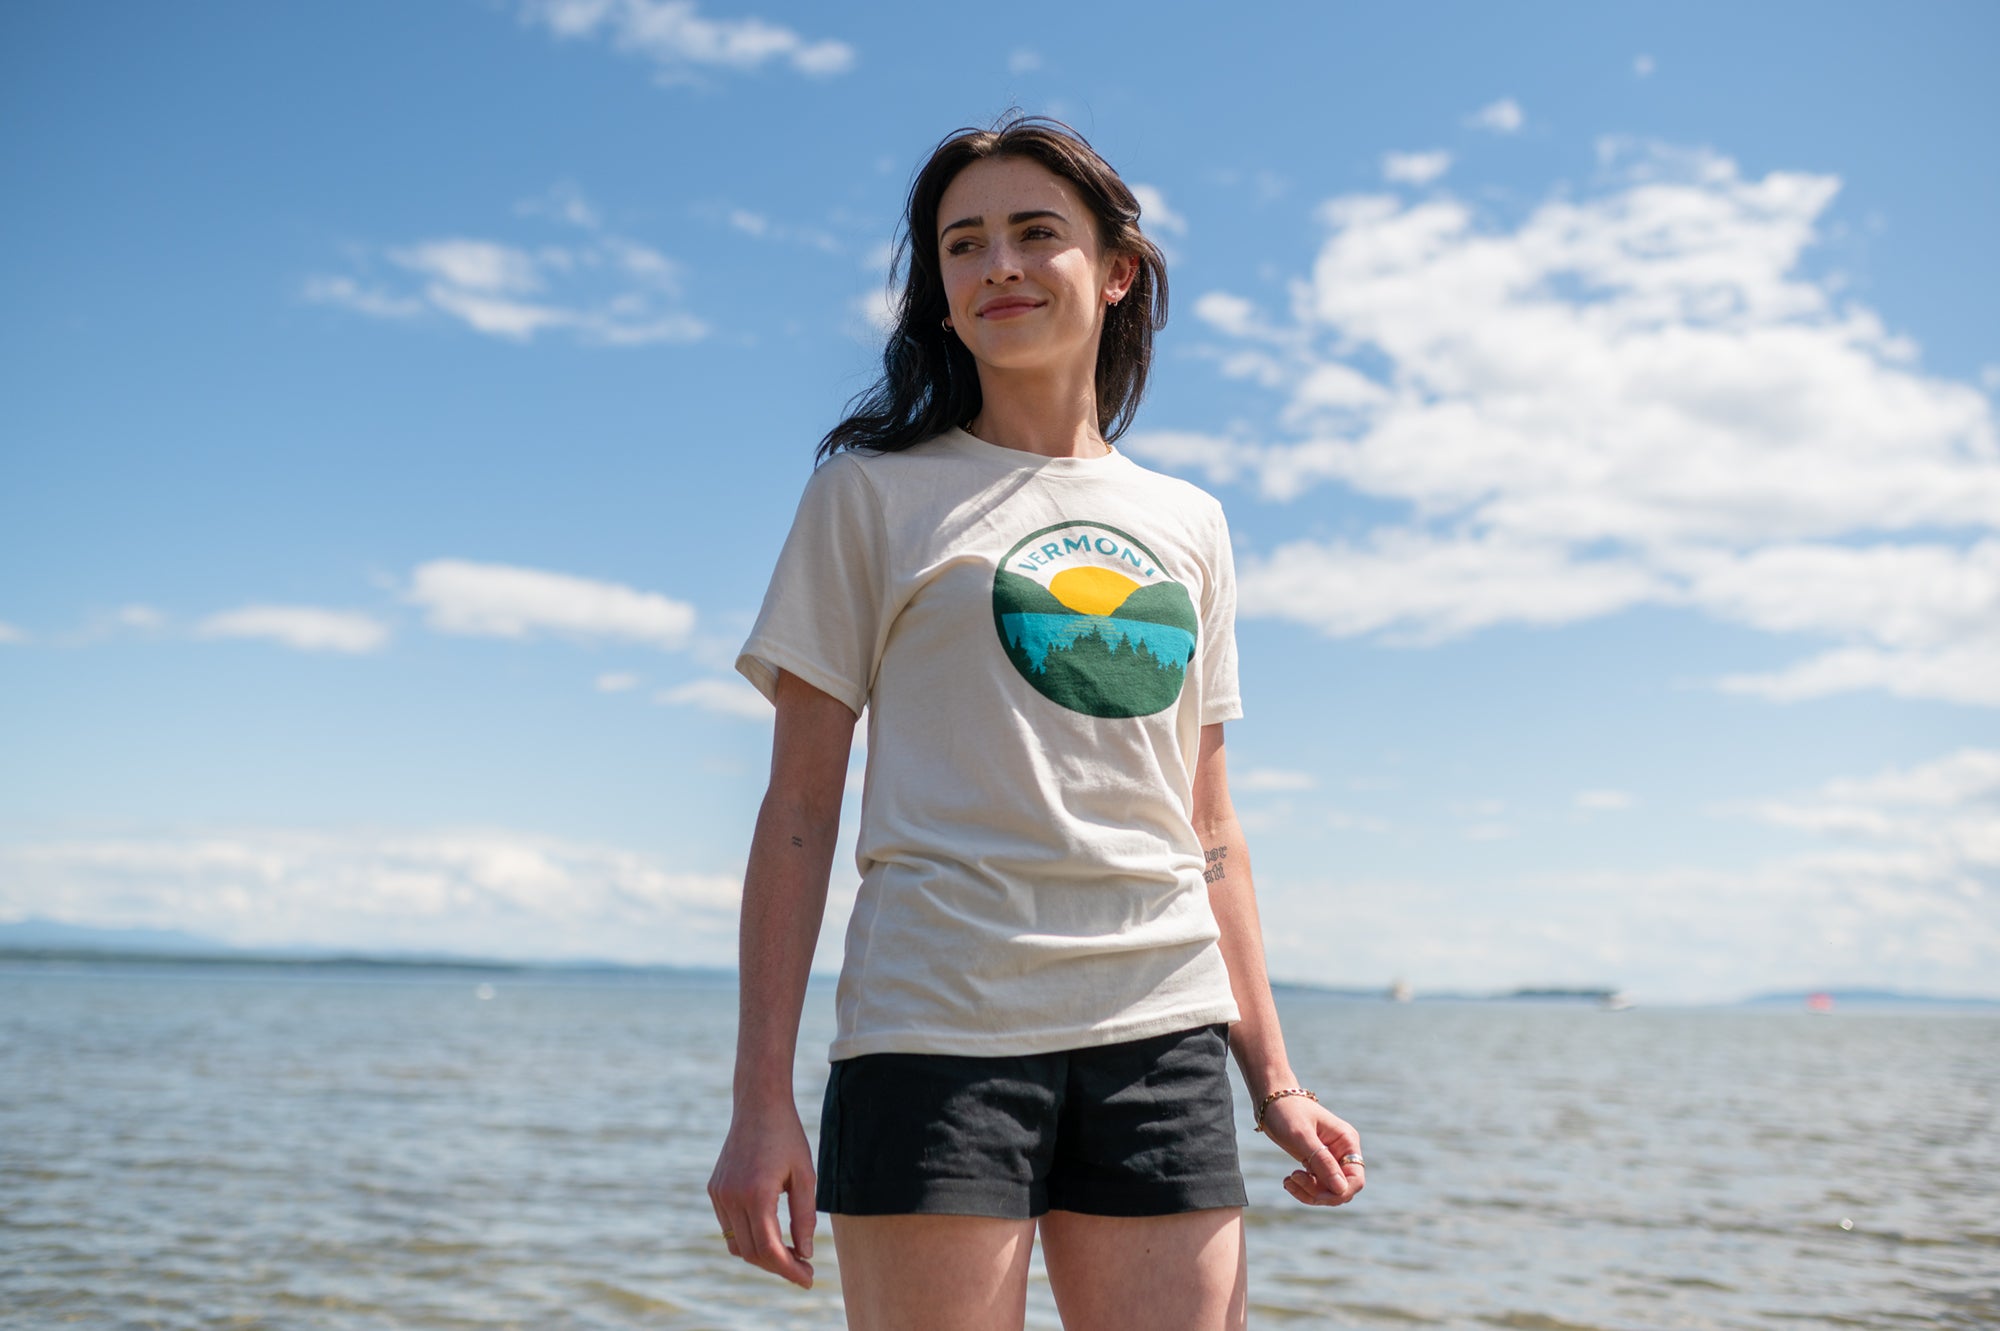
(930, 382)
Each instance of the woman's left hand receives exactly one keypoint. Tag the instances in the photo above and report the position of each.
(1317, 1138)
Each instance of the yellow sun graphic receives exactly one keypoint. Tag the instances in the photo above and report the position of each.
(1091, 591)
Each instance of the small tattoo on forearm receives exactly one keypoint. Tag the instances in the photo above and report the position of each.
(798, 841)
(1216, 868)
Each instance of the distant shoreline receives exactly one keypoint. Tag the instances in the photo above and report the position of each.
(349, 961)
(1875, 1000)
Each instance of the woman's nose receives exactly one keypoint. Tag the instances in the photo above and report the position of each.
(1002, 265)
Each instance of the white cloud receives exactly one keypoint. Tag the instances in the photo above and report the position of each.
(1989, 378)
(1603, 799)
(1416, 590)
(563, 202)
(759, 226)
(619, 681)
(8, 633)
(1627, 399)
(1415, 168)
(1959, 778)
(1502, 117)
(1229, 313)
(1023, 61)
(476, 265)
(1927, 617)
(1915, 594)
(679, 41)
(376, 302)
(1643, 66)
(607, 290)
(1966, 672)
(1939, 821)
(1898, 890)
(1273, 779)
(480, 891)
(302, 627)
(725, 697)
(505, 601)
(878, 307)
(1155, 214)
(141, 617)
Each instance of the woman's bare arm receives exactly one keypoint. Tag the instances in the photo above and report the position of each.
(1308, 1132)
(784, 901)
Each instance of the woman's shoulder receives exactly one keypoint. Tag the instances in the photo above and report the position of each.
(1178, 491)
(887, 471)
(871, 461)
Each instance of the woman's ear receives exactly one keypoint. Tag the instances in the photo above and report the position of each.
(1124, 272)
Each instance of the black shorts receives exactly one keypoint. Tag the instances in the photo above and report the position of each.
(1147, 1127)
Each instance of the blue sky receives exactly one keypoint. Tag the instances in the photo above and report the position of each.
(403, 405)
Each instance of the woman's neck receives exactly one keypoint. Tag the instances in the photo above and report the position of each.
(1052, 417)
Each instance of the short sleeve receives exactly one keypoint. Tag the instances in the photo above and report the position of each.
(1221, 695)
(822, 614)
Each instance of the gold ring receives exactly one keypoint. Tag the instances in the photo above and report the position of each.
(729, 1234)
(1352, 1158)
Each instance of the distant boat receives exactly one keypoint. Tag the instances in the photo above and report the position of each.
(1400, 992)
(1614, 1002)
(1819, 1002)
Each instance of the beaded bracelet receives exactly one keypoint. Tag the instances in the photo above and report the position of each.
(1265, 1103)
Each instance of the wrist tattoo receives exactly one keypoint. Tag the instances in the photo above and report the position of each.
(798, 841)
(1215, 869)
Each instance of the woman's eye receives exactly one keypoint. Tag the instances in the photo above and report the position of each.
(1036, 232)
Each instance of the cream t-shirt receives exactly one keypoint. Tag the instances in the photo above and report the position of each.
(1037, 643)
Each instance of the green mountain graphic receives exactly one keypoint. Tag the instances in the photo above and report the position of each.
(1016, 595)
(1161, 603)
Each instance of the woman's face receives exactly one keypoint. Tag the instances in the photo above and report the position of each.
(1024, 277)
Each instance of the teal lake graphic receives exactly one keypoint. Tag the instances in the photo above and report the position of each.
(1039, 635)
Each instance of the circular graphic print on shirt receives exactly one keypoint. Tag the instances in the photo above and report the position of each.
(1086, 615)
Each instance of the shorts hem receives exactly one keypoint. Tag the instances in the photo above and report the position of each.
(950, 1197)
(1168, 1197)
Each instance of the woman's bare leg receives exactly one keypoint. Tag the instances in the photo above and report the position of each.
(925, 1272)
(1148, 1273)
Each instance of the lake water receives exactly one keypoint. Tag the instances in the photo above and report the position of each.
(186, 1146)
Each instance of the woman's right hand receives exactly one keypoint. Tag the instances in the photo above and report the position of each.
(1325, 1145)
(766, 1153)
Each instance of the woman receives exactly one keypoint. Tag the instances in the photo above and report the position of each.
(1056, 942)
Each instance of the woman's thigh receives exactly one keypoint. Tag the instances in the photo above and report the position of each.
(922, 1272)
(1181, 1272)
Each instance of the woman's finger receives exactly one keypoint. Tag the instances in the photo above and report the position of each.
(1345, 1143)
(1327, 1173)
(768, 1248)
(1306, 1143)
(723, 1223)
(805, 1215)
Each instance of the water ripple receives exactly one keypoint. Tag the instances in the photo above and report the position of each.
(181, 1150)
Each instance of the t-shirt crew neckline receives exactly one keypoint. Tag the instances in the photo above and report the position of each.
(971, 445)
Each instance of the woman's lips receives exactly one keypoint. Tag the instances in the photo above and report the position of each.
(1006, 309)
